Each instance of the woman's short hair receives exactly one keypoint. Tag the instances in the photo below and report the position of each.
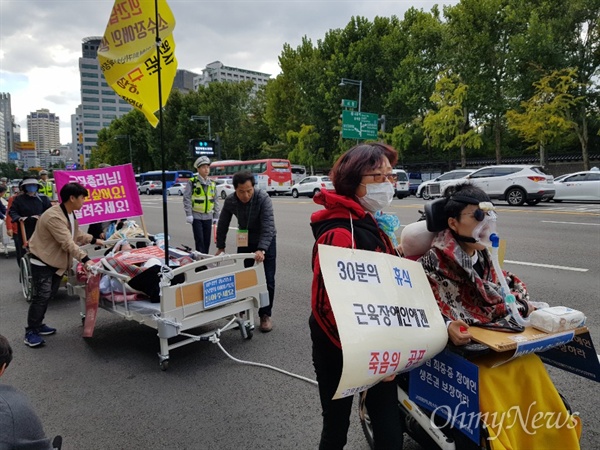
(74, 189)
(463, 195)
(348, 170)
(242, 177)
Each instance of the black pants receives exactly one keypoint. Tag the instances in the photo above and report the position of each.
(381, 402)
(202, 231)
(45, 286)
(18, 247)
(270, 264)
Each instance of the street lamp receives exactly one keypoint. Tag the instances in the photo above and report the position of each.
(346, 81)
(123, 136)
(205, 118)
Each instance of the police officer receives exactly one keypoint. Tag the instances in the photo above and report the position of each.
(46, 186)
(200, 204)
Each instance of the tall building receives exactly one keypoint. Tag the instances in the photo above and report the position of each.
(100, 105)
(43, 128)
(6, 110)
(3, 146)
(184, 81)
(216, 71)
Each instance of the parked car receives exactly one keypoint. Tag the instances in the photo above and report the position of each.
(224, 187)
(516, 184)
(414, 181)
(311, 185)
(176, 189)
(578, 186)
(402, 184)
(423, 189)
(150, 187)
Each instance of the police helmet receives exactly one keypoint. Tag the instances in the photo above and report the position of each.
(43, 172)
(201, 161)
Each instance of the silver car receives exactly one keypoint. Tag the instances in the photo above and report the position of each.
(582, 186)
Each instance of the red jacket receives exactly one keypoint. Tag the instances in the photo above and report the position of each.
(10, 224)
(331, 226)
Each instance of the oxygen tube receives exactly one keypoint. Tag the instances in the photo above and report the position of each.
(509, 299)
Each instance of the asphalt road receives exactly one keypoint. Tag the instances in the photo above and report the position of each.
(108, 392)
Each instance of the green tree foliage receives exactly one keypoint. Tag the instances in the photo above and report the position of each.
(545, 115)
(447, 126)
(304, 144)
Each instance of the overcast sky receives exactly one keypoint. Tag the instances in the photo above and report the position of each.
(40, 40)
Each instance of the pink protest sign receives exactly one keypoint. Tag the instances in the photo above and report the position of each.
(113, 193)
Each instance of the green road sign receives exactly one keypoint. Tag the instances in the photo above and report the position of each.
(349, 103)
(359, 125)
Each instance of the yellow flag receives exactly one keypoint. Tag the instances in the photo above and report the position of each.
(129, 57)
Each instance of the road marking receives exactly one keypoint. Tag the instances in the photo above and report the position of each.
(570, 223)
(548, 266)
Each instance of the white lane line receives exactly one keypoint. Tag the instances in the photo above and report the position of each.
(570, 223)
(549, 266)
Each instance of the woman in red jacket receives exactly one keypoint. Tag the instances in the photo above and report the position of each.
(362, 178)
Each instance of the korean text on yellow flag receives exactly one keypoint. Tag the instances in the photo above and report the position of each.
(387, 317)
(128, 54)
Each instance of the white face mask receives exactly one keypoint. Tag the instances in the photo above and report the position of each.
(378, 196)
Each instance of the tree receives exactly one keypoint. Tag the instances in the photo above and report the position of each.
(545, 115)
(448, 126)
(304, 146)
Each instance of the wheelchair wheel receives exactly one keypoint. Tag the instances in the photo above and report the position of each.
(25, 278)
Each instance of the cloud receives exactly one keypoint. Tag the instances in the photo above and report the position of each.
(40, 40)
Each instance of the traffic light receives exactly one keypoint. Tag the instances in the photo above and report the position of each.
(202, 147)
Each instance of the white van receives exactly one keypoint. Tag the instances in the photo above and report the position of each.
(402, 188)
(298, 173)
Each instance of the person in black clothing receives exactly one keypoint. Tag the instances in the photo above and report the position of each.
(27, 207)
(256, 232)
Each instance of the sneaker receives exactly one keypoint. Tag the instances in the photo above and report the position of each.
(45, 330)
(32, 339)
(265, 324)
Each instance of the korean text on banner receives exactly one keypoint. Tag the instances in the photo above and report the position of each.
(128, 54)
(386, 314)
(112, 193)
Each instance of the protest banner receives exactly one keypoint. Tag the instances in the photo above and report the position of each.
(387, 317)
(112, 190)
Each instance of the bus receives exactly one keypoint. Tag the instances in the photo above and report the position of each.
(274, 176)
(171, 176)
(298, 172)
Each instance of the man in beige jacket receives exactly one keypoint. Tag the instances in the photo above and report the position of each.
(53, 246)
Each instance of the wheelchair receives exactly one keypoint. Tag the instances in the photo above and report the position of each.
(25, 277)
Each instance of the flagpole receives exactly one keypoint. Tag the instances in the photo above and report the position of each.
(162, 150)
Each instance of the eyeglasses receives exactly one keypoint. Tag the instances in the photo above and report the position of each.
(479, 214)
(381, 177)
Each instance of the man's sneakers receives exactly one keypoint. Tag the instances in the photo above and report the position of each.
(265, 324)
(33, 339)
(45, 330)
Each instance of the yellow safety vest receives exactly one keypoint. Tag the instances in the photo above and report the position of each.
(46, 188)
(203, 201)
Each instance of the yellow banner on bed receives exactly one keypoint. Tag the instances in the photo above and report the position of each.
(387, 317)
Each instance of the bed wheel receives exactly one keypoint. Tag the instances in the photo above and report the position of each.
(248, 332)
(164, 365)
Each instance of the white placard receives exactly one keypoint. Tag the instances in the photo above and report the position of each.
(387, 317)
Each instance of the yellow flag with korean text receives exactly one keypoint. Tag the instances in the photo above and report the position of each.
(129, 57)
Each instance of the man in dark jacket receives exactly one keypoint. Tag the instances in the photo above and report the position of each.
(27, 207)
(256, 232)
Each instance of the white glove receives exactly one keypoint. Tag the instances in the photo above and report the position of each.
(215, 221)
(189, 219)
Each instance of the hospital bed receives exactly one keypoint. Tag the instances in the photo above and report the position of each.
(210, 289)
